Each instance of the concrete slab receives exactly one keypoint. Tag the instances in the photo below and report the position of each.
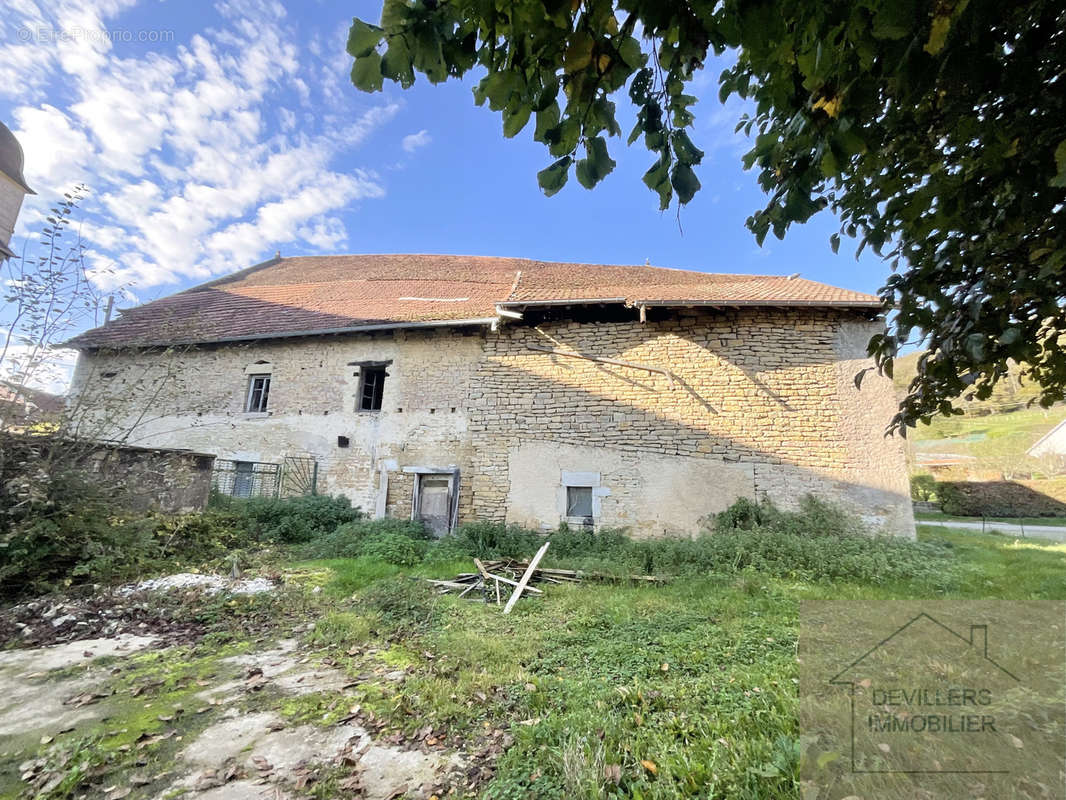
(29, 702)
(43, 659)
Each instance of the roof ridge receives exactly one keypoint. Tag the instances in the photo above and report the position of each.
(539, 262)
(231, 276)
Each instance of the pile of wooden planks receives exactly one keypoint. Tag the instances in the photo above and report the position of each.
(507, 579)
(487, 582)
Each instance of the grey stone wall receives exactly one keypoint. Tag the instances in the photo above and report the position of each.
(155, 479)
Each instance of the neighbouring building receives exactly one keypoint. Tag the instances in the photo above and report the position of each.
(23, 408)
(452, 388)
(1051, 445)
(13, 188)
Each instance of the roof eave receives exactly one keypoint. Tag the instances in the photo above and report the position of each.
(252, 337)
(869, 304)
(575, 302)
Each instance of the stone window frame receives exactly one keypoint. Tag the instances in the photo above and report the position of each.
(377, 368)
(580, 480)
(258, 405)
(259, 370)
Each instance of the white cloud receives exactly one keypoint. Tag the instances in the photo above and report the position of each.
(58, 153)
(197, 158)
(413, 141)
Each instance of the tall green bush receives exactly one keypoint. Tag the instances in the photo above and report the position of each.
(73, 534)
(819, 541)
(352, 539)
(923, 487)
(294, 520)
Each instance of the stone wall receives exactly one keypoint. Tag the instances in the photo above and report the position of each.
(165, 480)
(135, 478)
(758, 403)
(761, 403)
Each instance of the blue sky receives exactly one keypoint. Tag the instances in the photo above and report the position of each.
(213, 134)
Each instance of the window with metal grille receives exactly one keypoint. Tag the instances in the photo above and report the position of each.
(371, 388)
(579, 501)
(243, 478)
(258, 393)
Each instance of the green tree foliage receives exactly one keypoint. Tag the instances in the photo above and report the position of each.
(935, 131)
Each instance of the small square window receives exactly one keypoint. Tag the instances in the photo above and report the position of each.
(371, 388)
(258, 394)
(579, 501)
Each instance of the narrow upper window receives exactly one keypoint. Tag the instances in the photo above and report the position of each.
(371, 388)
(579, 501)
(258, 393)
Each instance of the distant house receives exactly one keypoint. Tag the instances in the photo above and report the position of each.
(1052, 443)
(452, 388)
(21, 408)
(13, 188)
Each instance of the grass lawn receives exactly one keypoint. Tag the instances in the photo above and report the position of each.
(682, 691)
(935, 516)
(597, 690)
(1031, 422)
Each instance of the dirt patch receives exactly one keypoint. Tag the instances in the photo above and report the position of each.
(53, 620)
(282, 667)
(166, 608)
(267, 719)
(260, 744)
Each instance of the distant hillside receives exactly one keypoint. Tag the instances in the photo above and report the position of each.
(1011, 394)
(995, 433)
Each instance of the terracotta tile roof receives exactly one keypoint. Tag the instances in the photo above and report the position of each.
(319, 294)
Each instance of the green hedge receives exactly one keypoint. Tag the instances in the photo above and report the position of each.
(1000, 498)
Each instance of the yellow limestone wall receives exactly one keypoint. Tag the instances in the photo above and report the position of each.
(763, 403)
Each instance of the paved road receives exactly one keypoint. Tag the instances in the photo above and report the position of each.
(1054, 533)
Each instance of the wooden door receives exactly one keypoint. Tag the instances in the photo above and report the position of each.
(434, 503)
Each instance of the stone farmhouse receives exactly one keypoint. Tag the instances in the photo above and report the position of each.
(451, 388)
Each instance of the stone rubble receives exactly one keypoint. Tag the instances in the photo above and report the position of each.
(211, 584)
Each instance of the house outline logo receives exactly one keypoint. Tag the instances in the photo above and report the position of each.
(978, 639)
